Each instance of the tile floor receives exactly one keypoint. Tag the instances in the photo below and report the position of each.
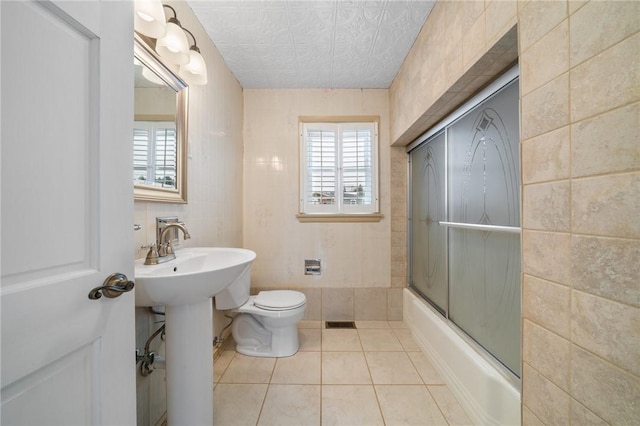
(374, 375)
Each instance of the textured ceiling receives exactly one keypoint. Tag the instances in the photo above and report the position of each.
(313, 44)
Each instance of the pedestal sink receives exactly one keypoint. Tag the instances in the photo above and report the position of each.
(185, 287)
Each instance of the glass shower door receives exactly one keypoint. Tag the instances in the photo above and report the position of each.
(429, 260)
(484, 225)
(465, 222)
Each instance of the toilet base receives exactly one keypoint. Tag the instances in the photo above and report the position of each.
(254, 339)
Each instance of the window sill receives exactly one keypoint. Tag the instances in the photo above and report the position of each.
(365, 217)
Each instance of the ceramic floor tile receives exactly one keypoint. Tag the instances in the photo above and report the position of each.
(408, 405)
(427, 371)
(331, 380)
(449, 406)
(349, 368)
(291, 405)
(221, 363)
(310, 339)
(340, 340)
(230, 346)
(379, 340)
(397, 324)
(248, 369)
(350, 405)
(406, 339)
(392, 368)
(371, 324)
(302, 368)
(309, 324)
(237, 404)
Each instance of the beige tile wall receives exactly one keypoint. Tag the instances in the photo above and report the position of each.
(356, 271)
(580, 93)
(214, 211)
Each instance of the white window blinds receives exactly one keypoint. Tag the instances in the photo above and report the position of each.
(155, 153)
(339, 168)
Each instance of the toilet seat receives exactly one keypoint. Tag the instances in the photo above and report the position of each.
(279, 300)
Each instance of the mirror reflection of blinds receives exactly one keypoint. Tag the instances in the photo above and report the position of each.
(155, 153)
(321, 166)
(141, 155)
(165, 158)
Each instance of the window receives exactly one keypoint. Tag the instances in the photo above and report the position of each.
(339, 168)
(154, 153)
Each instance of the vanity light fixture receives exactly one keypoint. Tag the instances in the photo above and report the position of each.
(174, 46)
(195, 71)
(149, 18)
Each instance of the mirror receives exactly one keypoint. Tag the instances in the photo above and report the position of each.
(160, 129)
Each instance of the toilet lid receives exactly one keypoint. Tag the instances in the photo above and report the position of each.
(278, 300)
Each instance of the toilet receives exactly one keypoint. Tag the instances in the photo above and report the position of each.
(264, 325)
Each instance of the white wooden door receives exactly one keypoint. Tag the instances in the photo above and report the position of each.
(67, 209)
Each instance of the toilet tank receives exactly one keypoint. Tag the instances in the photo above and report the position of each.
(236, 294)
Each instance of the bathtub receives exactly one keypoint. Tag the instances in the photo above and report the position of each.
(488, 397)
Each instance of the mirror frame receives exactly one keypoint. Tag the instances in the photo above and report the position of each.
(141, 192)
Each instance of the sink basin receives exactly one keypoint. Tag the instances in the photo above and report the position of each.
(196, 274)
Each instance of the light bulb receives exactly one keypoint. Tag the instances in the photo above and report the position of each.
(149, 18)
(195, 71)
(174, 46)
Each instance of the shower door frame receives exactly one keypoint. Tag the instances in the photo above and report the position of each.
(441, 127)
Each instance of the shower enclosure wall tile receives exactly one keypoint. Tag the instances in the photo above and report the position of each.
(574, 5)
(547, 304)
(547, 401)
(590, 34)
(399, 254)
(546, 206)
(394, 304)
(499, 14)
(580, 415)
(537, 18)
(471, 13)
(453, 63)
(609, 392)
(607, 143)
(554, 46)
(606, 328)
(548, 255)
(607, 267)
(547, 157)
(473, 42)
(605, 205)
(548, 353)
(398, 268)
(530, 419)
(546, 108)
(617, 71)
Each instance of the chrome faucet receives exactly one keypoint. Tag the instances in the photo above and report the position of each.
(163, 251)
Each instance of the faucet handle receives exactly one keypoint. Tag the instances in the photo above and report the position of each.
(152, 255)
(169, 248)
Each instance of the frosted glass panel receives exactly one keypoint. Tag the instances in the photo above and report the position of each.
(428, 262)
(484, 167)
(484, 286)
(484, 267)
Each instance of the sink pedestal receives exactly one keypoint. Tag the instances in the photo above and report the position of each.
(189, 370)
